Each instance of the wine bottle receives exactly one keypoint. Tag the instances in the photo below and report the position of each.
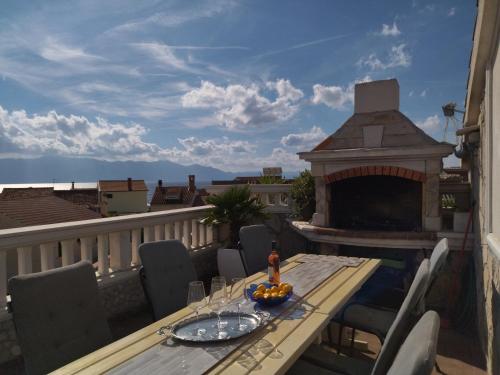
(273, 267)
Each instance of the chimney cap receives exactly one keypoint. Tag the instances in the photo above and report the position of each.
(376, 96)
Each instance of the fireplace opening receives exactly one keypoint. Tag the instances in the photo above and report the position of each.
(383, 203)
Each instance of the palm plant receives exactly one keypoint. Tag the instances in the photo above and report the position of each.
(235, 207)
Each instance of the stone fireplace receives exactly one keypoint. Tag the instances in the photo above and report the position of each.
(379, 172)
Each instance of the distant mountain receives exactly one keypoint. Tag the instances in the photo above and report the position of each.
(61, 169)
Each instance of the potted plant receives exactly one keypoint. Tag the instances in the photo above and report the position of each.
(303, 195)
(235, 207)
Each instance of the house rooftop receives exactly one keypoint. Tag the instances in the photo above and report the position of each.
(49, 209)
(121, 185)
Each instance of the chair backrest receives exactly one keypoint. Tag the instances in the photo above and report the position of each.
(438, 259)
(417, 355)
(400, 327)
(167, 270)
(256, 243)
(230, 264)
(58, 316)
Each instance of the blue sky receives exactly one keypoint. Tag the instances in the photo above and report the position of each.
(237, 85)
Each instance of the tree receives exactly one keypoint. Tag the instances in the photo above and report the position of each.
(303, 194)
(235, 207)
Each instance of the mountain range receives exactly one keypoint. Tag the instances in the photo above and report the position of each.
(64, 169)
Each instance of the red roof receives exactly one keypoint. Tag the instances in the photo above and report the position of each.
(41, 210)
(173, 195)
(28, 192)
(121, 185)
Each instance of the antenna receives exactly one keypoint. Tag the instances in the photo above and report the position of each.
(449, 113)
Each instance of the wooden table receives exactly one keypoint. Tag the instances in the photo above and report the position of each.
(271, 350)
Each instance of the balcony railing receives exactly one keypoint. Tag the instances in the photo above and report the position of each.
(275, 196)
(115, 240)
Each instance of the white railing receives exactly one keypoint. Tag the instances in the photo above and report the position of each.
(275, 196)
(116, 241)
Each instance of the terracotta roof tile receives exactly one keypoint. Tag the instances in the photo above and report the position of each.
(172, 195)
(41, 210)
(121, 185)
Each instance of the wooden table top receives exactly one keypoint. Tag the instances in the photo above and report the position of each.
(271, 350)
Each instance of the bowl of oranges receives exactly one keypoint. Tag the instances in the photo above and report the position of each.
(266, 294)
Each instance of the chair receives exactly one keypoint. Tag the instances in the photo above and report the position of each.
(395, 336)
(256, 243)
(377, 320)
(58, 316)
(165, 274)
(416, 356)
(230, 264)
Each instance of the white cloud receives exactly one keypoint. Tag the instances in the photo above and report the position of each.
(410, 94)
(165, 55)
(423, 94)
(430, 124)
(336, 97)
(451, 12)
(398, 56)
(388, 30)
(304, 140)
(240, 107)
(54, 50)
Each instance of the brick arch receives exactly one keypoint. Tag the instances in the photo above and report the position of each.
(378, 170)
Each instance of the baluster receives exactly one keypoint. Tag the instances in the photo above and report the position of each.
(168, 231)
(136, 241)
(159, 232)
(186, 234)
(119, 250)
(48, 252)
(24, 260)
(3, 279)
(195, 233)
(148, 234)
(210, 234)
(203, 237)
(86, 247)
(68, 252)
(102, 254)
(177, 230)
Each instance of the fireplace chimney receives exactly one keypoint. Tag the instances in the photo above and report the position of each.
(72, 185)
(192, 185)
(160, 183)
(129, 183)
(376, 96)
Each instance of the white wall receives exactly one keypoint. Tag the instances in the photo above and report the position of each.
(495, 145)
(125, 202)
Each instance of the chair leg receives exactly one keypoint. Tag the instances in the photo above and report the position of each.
(330, 338)
(438, 369)
(341, 328)
(352, 340)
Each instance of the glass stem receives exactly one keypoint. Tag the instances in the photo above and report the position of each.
(239, 316)
(218, 321)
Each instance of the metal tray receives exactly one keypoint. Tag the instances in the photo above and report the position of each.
(186, 329)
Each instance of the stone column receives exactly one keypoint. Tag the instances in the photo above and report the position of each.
(431, 199)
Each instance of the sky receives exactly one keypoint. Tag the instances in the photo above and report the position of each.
(236, 85)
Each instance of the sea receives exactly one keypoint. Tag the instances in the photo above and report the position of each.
(89, 185)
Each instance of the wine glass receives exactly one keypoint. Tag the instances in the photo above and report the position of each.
(196, 301)
(218, 299)
(238, 290)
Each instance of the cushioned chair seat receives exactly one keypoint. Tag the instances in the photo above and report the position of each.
(369, 319)
(58, 316)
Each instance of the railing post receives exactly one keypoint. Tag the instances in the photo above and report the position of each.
(159, 232)
(24, 260)
(86, 247)
(195, 231)
(3, 279)
(148, 234)
(48, 252)
(203, 237)
(102, 254)
(177, 230)
(210, 234)
(186, 234)
(119, 250)
(68, 252)
(136, 241)
(168, 231)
